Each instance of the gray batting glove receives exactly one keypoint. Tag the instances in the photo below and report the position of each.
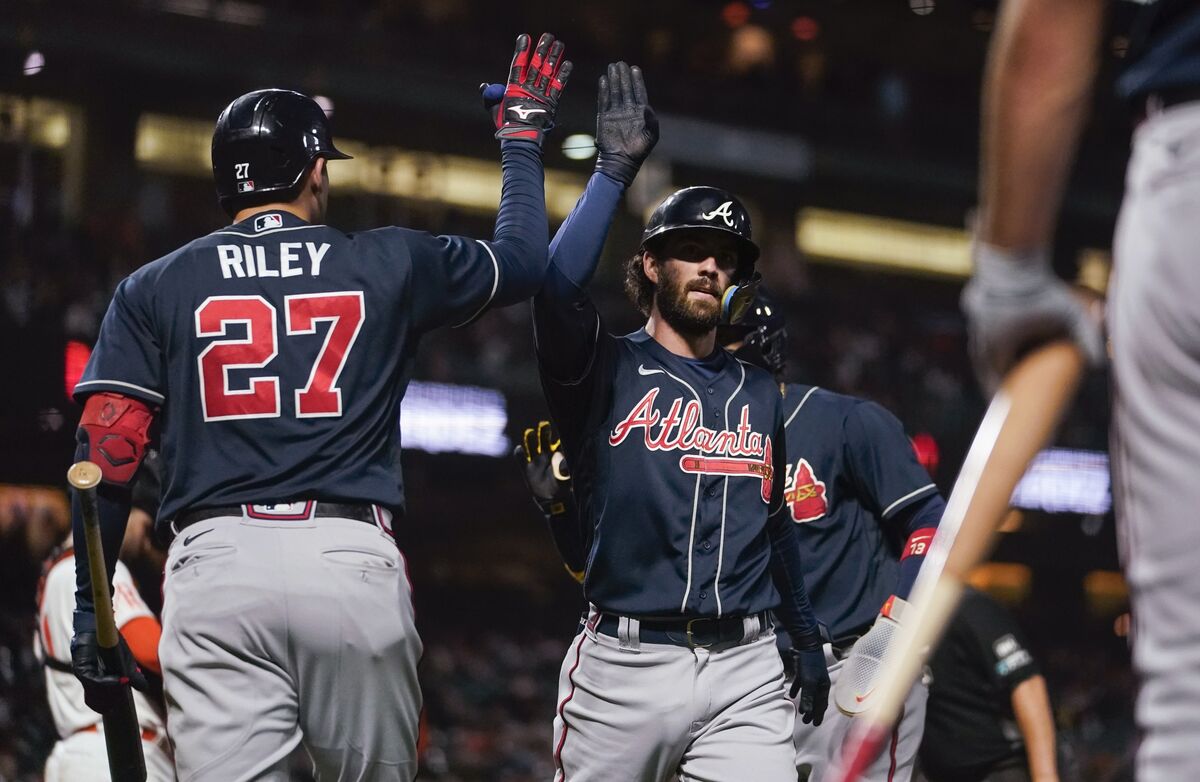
(1013, 302)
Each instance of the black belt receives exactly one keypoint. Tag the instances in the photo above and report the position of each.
(842, 645)
(699, 632)
(319, 510)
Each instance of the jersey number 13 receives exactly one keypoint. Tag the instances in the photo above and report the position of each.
(320, 397)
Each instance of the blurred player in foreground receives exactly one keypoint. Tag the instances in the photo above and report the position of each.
(276, 351)
(1039, 79)
(80, 755)
(988, 718)
(678, 458)
(853, 488)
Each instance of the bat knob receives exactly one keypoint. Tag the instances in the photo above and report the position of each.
(84, 475)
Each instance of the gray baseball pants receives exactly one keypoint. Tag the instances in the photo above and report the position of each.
(281, 632)
(1154, 324)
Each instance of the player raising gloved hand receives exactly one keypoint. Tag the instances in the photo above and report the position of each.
(626, 126)
(525, 107)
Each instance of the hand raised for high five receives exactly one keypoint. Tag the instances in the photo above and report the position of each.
(626, 127)
(529, 102)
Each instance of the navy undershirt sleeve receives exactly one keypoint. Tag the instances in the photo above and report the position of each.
(925, 513)
(519, 241)
(112, 504)
(566, 325)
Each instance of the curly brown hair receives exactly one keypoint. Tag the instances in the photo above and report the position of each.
(638, 286)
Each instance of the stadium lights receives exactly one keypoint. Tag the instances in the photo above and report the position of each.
(1066, 480)
(843, 237)
(579, 146)
(44, 123)
(326, 104)
(175, 145)
(34, 63)
(447, 418)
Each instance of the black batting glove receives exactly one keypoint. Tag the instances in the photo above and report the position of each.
(526, 108)
(545, 468)
(104, 673)
(626, 126)
(810, 679)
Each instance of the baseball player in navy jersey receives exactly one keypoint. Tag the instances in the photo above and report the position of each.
(275, 352)
(853, 488)
(864, 511)
(677, 455)
(1041, 69)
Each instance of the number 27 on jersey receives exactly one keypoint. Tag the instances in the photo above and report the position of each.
(320, 397)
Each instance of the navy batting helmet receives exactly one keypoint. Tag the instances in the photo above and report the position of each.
(762, 330)
(264, 142)
(709, 208)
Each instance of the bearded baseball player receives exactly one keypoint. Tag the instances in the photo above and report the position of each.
(1041, 69)
(854, 490)
(678, 457)
(275, 352)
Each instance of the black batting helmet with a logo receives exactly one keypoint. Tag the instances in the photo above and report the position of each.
(264, 142)
(704, 207)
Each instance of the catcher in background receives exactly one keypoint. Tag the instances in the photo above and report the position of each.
(80, 754)
(988, 718)
(854, 490)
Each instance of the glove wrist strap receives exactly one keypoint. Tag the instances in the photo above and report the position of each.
(991, 259)
(618, 166)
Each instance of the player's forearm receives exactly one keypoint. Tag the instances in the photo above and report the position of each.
(519, 241)
(795, 609)
(563, 521)
(1031, 705)
(112, 504)
(1036, 90)
(920, 521)
(576, 247)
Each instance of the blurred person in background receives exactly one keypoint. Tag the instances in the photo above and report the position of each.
(988, 718)
(80, 754)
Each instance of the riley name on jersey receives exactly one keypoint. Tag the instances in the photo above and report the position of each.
(245, 260)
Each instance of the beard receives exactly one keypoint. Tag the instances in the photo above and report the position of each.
(685, 315)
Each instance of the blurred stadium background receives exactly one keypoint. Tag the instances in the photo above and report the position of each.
(849, 126)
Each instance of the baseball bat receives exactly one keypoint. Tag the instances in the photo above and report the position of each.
(1020, 420)
(122, 732)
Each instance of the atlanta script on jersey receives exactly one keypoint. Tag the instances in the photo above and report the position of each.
(676, 465)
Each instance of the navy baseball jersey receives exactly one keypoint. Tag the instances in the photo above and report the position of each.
(675, 464)
(851, 469)
(1164, 52)
(279, 351)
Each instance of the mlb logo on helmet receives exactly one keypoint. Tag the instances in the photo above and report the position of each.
(806, 495)
(245, 187)
(263, 222)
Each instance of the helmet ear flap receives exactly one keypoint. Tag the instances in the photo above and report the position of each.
(738, 298)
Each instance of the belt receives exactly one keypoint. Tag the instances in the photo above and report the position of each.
(696, 633)
(310, 510)
(148, 734)
(842, 645)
